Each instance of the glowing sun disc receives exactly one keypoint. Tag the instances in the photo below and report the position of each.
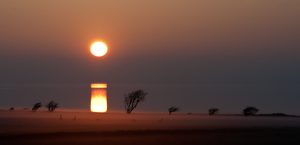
(98, 49)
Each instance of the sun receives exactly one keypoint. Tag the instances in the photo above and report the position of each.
(98, 49)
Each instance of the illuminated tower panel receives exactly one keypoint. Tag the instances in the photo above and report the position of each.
(98, 97)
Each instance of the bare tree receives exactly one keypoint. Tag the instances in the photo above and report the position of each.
(51, 106)
(173, 109)
(36, 106)
(250, 111)
(11, 109)
(133, 98)
(213, 111)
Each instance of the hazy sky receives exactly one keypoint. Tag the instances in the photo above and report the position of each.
(194, 54)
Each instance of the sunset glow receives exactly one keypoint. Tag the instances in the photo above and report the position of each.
(98, 97)
(99, 49)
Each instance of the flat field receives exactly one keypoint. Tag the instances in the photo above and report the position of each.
(85, 128)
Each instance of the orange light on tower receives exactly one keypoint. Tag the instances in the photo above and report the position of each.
(98, 97)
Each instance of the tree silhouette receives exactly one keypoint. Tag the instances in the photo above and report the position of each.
(250, 111)
(51, 106)
(213, 111)
(133, 98)
(11, 109)
(36, 106)
(173, 109)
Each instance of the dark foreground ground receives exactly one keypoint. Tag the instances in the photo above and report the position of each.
(85, 128)
(247, 136)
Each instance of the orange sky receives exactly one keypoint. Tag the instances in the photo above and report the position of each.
(148, 25)
(155, 41)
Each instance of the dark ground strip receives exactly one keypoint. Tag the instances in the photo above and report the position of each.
(249, 136)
